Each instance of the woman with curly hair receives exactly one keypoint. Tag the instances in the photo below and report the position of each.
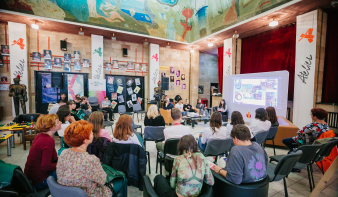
(123, 133)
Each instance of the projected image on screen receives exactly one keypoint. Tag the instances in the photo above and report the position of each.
(256, 91)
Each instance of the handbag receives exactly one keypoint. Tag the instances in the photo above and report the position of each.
(118, 179)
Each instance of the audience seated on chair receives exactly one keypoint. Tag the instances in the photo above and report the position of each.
(190, 170)
(236, 119)
(106, 106)
(123, 133)
(187, 107)
(85, 104)
(215, 131)
(72, 107)
(55, 107)
(167, 105)
(65, 118)
(222, 107)
(260, 122)
(76, 168)
(97, 120)
(152, 117)
(200, 107)
(318, 125)
(272, 116)
(176, 131)
(247, 161)
(42, 158)
(63, 98)
(77, 101)
(179, 104)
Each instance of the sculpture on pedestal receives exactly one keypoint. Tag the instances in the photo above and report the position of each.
(19, 93)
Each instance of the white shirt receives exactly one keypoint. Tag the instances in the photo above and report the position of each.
(229, 128)
(54, 109)
(221, 133)
(131, 140)
(222, 109)
(179, 106)
(176, 132)
(61, 132)
(257, 125)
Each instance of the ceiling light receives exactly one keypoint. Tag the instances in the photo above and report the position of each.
(168, 46)
(192, 50)
(35, 26)
(210, 44)
(145, 42)
(236, 35)
(81, 32)
(273, 22)
(113, 37)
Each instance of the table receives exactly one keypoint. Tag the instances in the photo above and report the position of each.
(7, 137)
(186, 118)
(14, 128)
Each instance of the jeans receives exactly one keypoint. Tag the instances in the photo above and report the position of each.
(201, 145)
(43, 184)
(110, 112)
(162, 187)
(289, 143)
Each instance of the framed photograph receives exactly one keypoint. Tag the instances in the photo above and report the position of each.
(200, 89)
(172, 70)
(123, 66)
(115, 64)
(144, 67)
(85, 63)
(183, 86)
(178, 82)
(110, 80)
(183, 77)
(172, 79)
(172, 86)
(77, 65)
(5, 49)
(36, 57)
(77, 55)
(1, 60)
(66, 66)
(130, 65)
(108, 66)
(162, 74)
(178, 73)
(137, 67)
(57, 62)
(47, 54)
(48, 64)
(137, 81)
(3, 79)
(67, 57)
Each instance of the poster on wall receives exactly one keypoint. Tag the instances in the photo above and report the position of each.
(130, 65)
(49, 94)
(77, 65)
(123, 66)
(130, 104)
(47, 54)
(85, 63)
(162, 74)
(119, 90)
(178, 82)
(183, 77)
(172, 86)
(3, 79)
(121, 99)
(133, 97)
(113, 96)
(172, 79)
(67, 57)
(130, 91)
(183, 86)
(110, 80)
(137, 67)
(1, 61)
(144, 67)
(77, 55)
(108, 66)
(4, 87)
(97, 88)
(115, 64)
(137, 81)
(75, 85)
(130, 82)
(36, 57)
(5, 49)
(178, 73)
(137, 89)
(200, 89)
(97, 56)
(57, 62)
(172, 70)
(48, 64)
(113, 104)
(66, 67)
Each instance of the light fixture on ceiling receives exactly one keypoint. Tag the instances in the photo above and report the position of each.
(145, 42)
(35, 26)
(236, 35)
(168, 46)
(192, 49)
(81, 32)
(273, 22)
(113, 37)
(210, 44)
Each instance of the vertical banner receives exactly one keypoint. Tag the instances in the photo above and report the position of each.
(306, 36)
(18, 57)
(75, 86)
(97, 88)
(97, 57)
(154, 68)
(227, 59)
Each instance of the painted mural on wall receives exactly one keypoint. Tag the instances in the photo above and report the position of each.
(181, 20)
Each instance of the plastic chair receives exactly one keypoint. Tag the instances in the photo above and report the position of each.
(20, 186)
(271, 136)
(152, 134)
(58, 190)
(261, 136)
(137, 109)
(122, 110)
(325, 151)
(309, 153)
(28, 137)
(93, 101)
(217, 147)
(170, 147)
(283, 168)
(223, 187)
(108, 124)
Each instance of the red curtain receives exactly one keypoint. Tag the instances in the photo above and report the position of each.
(220, 68)
(271, 51)
(330, 82)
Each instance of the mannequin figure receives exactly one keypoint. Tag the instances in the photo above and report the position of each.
(19, 93)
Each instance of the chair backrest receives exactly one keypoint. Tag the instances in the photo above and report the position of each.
(58, 190)
(166, 115)
(286, 164)
(152, 133)
(26, 118)
(325, 150)
(122, 109)
(137, 107)
(272, 133)
(20, 183)
(216, 147)
(148, 189)
(170, 146)
(98, 147)
(261, 136)
(309, 152)
(92, 100)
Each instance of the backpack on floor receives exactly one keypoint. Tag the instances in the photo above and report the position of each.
(118, 179)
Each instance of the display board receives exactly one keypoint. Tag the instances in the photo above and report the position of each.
(49, 93)
(97, 88)
(75, 85)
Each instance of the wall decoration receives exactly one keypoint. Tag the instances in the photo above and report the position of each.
(67, 57)
(130, 104)
(4, 50)
(66, 66)
(137, 67)
(85, 63)
(57, 62)
(110, 80)
(178, 83)
(139, 100)
(133, 97)
(49, 94)
(130, 82)
(75, 85)
(97, 56)
(97, 88)
(172, 70)
(144, 67)
(119, 82)
(4, 87)
(113, 96)
(115, 64)
(183, 77)
(1, 61)
(137, 89)
(178, 73)
(120, 98)
(77, 55)
(48, 64)
(77, 65)
(3, 79)
(137, 81)
(108, 66)
(130, 65)
(183, 86)
(130, 91)
(119, 90)
(123, 66)
(172, 86)
(154, 68)
(47, 54)
(162, 74)
(113, 104)
(200, 89)
(172, 79)
(36, 57)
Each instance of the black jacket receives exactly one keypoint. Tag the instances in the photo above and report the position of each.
(158, 121)
(130, 159)
(98, 147)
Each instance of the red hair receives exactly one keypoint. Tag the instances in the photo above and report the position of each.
(320, 113)
(123, 128)
(46, 122)
(77, 132)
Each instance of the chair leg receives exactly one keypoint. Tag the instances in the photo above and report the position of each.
(285, 188)
(322, 169)
(273, 146)
(156, 162)
(161, 167)
(313, 181)
(149, 162)
(308, 174)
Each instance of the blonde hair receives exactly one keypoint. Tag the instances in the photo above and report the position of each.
(152, 112)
